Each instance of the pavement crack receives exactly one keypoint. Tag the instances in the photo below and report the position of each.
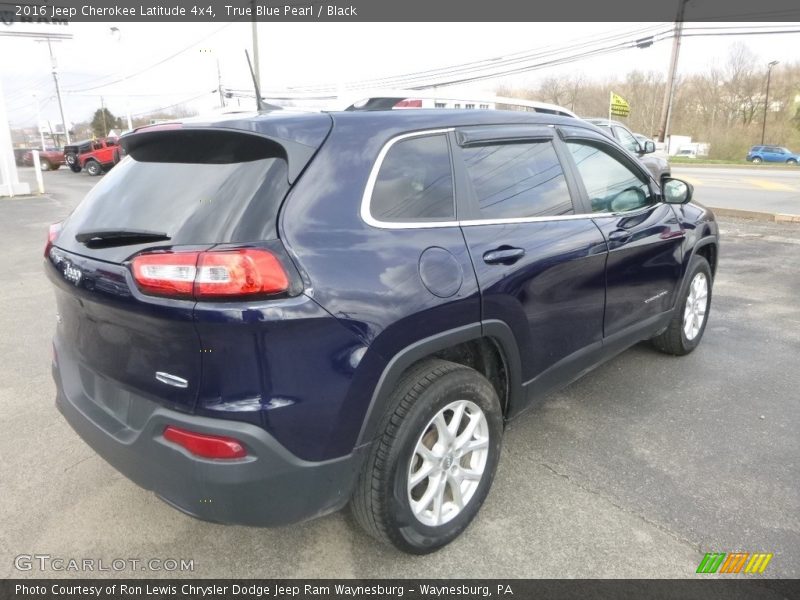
(685, 541)
(76, 463)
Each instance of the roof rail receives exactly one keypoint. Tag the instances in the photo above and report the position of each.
(381, 99)
(387, 99)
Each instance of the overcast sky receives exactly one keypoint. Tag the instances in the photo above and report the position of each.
(294, 54)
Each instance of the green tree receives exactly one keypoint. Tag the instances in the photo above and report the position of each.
(103, 121)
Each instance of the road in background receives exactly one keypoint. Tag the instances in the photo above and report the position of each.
(759, 189)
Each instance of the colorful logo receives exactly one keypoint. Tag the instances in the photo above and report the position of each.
(734, 562)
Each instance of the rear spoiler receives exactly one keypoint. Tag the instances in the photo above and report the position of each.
(179, 142)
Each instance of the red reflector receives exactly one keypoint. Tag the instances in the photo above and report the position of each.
(52, 235)
(409, 103)
(207, 446)
(220, 274)
(166, 273)
(238, 273)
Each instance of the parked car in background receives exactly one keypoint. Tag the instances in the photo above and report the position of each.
(95, 156)
(779, 154)
(267, 316)
(50, 159)
(657, 165)
(687, 153)
(19, 156)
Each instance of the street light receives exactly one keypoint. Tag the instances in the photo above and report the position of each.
(766, 99)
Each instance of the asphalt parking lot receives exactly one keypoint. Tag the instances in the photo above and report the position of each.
(636, 470)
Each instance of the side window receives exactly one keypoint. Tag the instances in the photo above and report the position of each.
(415, 182)
(626, 139)
(610, 185)
(517, 180)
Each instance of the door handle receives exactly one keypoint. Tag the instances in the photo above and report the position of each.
(504, 255)
(619, 235)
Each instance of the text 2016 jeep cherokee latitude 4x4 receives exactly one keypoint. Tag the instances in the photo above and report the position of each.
(266, 317)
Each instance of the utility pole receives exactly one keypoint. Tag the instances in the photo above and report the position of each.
(219, 74)
(256, 62)
(58, 91)
(219, 85)
(669, 91)
(766, 100)
(103, 112)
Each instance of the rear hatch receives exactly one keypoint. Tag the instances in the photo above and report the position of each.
(178, 191)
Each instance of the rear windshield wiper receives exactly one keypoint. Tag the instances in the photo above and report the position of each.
(119, 237)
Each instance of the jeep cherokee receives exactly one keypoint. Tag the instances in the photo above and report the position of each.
(265, 317)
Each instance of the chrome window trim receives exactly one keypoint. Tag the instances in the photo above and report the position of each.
(366, 214)
(366, 199)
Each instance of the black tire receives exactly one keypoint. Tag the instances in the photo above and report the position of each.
(674, 339)
(93, 168)
(757, 160)
(380, 502)
(72, 162)
(45, 165)
(791, 161)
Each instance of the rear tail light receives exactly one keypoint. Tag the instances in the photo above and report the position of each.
(207, 446)
(215, 274)
(409, 103)
(52, 235)
(167, 274)
(239, 272)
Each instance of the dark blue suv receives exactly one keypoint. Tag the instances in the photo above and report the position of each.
(269, 316)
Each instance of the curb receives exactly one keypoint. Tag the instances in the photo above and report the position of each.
(770, 167)
(755, 215)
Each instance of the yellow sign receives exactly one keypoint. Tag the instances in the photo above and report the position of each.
(618, 106)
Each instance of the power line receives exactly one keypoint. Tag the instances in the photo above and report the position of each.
(586, 54)
(726, 33)
(492, 68)
(184, 101)
(492, 62)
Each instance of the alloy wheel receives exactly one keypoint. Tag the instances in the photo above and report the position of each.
(448, 463)
(696, 305)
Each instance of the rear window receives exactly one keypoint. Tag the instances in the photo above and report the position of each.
(197, 189)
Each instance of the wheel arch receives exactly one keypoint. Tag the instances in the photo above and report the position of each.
(488, 347)
(708, 248)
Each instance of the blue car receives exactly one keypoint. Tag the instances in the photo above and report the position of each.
(267, 317)
(759, 154)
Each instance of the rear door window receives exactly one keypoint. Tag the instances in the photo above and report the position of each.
(415, 182)
(196, 188)
(517, 180)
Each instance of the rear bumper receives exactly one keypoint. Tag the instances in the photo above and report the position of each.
(268, 487)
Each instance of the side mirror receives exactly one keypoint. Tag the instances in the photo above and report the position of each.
(649, 147)
(676, 191)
